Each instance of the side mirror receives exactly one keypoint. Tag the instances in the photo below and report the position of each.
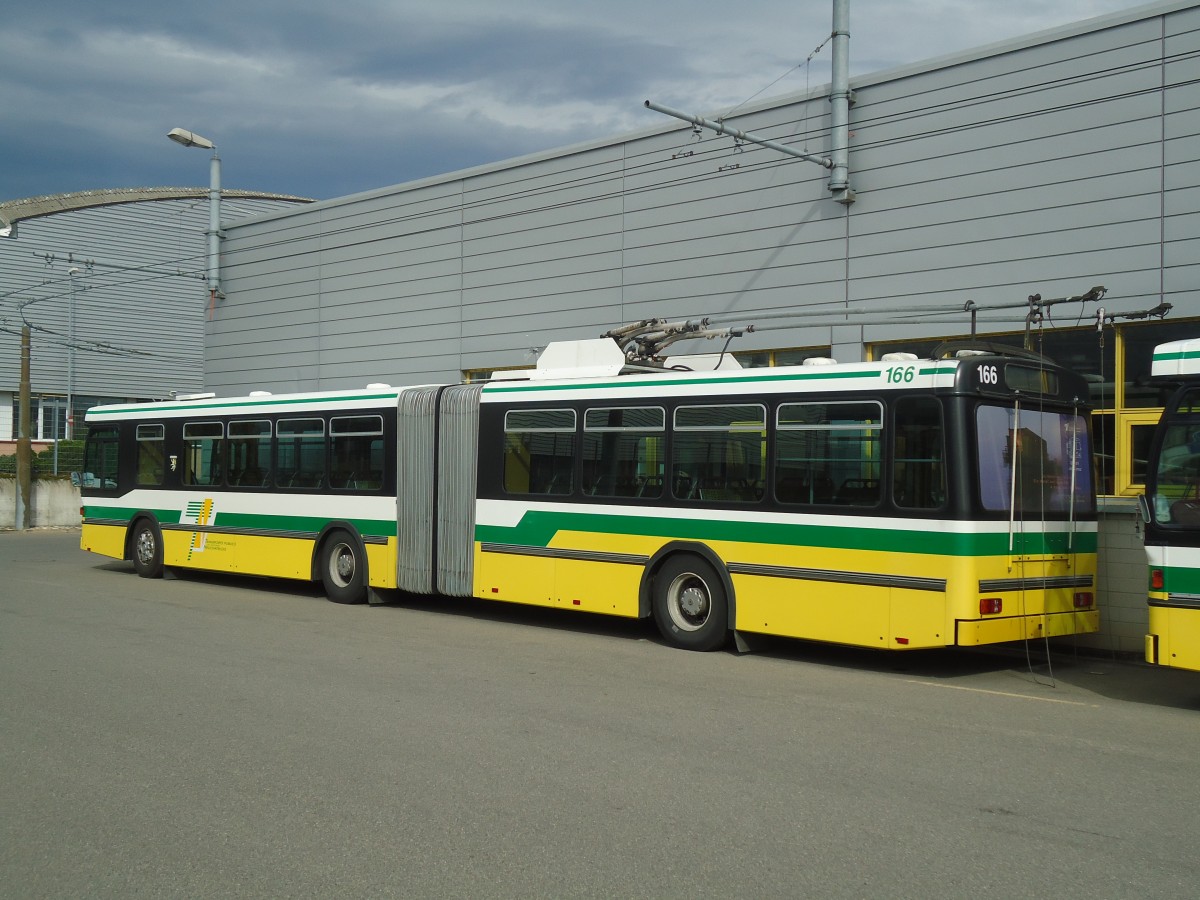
(1144, 508)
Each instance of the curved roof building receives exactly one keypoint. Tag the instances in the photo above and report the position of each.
(111, 284)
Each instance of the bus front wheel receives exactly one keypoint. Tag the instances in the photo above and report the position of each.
(343, 569)
(146, 548)
(690, 606)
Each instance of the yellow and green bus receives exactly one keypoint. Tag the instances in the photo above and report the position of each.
(1171, 510)
(899, 504)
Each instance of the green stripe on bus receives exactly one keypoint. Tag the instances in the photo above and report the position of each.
(123, 514)
(538, 529)
(250, 521)
(1180, 579)
(817, 374)
(1177, 354)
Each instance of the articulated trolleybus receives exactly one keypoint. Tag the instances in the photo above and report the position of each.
(1171, 510)
(898, 504)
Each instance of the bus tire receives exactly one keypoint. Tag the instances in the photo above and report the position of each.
(690, 606)
(145, 549)
(343, 567)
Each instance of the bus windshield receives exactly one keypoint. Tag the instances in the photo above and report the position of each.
(1030, 460)
(1176, 479)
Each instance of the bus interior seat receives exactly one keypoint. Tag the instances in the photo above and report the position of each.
(858, 492)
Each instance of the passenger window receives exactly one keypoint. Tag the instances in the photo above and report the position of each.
(151, 454)
(250, 453)
(622, 451)
(919, 477)
(356, 460)
(300, 453)
(829, 453)
(203, 453)
(539, 451)
(719, 453)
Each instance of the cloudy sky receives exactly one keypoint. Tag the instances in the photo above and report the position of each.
(326, 99)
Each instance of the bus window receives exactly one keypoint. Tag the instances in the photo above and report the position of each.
(539, 451)
(203, 453)
(250, 453)
(151, 452)
(919, 478)
(300, 449)
(100, 458)
(829, 453)
(1029, 460)
(356, 459)
(622, 451)
(719, 452)
(1176, 499)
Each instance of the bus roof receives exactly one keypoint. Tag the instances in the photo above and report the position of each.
(374, 395)
(1176, 358)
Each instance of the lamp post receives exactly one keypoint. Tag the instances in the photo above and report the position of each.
(190, 139)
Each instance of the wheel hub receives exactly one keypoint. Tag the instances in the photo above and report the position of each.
(693, 602)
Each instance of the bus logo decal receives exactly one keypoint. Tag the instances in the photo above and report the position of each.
(201, 512)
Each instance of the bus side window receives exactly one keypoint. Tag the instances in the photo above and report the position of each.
(829, 453)
(203, 453)
(101, 458)
(300, 453)
(919, 476)
(621, 451)
(249, 453)
(151, 453)
(539, 451)
(356, 460)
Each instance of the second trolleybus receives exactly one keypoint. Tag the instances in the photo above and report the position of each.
(899, 504)
(1171, 510)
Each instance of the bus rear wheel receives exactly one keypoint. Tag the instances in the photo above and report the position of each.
(343, 569)
(146, 549)
(690, 606)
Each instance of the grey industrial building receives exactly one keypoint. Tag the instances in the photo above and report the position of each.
(111, 285)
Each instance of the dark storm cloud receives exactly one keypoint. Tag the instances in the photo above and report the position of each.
(322, 99)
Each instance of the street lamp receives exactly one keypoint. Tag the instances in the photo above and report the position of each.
(190, 139)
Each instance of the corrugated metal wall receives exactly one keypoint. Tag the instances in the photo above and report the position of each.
(1042, 166)
(140, 302)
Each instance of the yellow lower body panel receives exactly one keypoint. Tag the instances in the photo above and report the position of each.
(272, 557)
(381, 564)
(586, 585)
(1023, 628)
(107, 540)
(1174, 638)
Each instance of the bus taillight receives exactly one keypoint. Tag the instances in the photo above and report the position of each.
(990, 606)
(1084, 600)
(1157, 582)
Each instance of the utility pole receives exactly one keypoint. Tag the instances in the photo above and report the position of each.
(24, 449)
